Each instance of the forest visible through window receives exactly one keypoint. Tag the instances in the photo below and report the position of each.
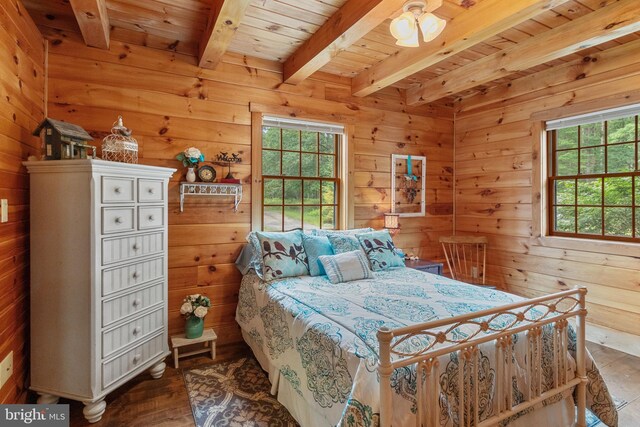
(300, 179)
(594, 183)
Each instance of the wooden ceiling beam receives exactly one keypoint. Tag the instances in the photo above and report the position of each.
(93, 21)
(349, 24)
(479, 23)
(612, 21)
(224, 20)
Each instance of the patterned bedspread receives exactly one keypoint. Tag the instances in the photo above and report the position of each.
(322, 338)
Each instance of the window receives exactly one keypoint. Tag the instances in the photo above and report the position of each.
(594, 176)
(300, 175)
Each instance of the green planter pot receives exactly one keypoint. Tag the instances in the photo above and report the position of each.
(194, 326)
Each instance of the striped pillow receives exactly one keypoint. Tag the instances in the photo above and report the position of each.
(346, 266)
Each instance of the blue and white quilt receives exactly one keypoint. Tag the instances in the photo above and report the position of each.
(322, 339)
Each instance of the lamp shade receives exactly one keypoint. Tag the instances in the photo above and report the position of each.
(391, 221)
(411, 41)
(431, 26)
(404, 26)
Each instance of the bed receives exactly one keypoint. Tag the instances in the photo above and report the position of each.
(319, 344)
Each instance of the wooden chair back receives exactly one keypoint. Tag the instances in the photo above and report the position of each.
(466, 257)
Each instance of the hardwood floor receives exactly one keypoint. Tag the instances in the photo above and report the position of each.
(621, 372)
(146, 402)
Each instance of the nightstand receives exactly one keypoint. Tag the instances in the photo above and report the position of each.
(425, 265)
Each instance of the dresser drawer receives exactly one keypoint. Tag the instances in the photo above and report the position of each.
(116, 249)
(126, 276)
(150, 190)
(117, 189)
(118, 308)
(116, 220)
(117, 368)
(134, 330)
(150, 217)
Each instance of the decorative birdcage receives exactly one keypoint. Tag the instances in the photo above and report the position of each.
(119, 146)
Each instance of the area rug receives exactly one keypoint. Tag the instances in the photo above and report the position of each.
(234, 394)
(593, 421)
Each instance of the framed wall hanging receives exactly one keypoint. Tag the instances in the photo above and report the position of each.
(408, 177)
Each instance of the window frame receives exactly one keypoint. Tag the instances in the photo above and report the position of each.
(553, 177)
(300, 177)
(346, 161)
(539, 152)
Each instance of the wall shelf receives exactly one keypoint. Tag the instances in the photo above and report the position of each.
(211, 189)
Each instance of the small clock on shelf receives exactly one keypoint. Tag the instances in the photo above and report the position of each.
(206, 173)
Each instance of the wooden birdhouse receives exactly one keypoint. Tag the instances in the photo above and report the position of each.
(64, 140)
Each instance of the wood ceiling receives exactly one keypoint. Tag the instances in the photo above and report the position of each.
(486, 43)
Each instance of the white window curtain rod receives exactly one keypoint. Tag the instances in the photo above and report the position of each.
(600, 116)
(286, 123)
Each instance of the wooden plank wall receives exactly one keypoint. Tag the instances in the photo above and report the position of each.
(22, 83)
(494, 156)
(171, 104)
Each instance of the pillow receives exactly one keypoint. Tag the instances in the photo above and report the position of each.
(379, 248)
(245, 259)
(342, 243)
(325, 232)
(282, 254)
(346, 267)
(316, 246)
(255, 260)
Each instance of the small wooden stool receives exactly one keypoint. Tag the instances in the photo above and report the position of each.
(208, 338)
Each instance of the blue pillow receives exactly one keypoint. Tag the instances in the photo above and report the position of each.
(255, 253)
(346, 266)
(379, 248)
(342, 243)
(283, 254)
(245, 259)
(316, 246)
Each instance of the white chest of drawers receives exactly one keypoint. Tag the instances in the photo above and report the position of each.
(98, 277)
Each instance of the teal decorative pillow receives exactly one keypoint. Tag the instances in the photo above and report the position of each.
(283, 254)
(346, 266)
(379, 248)
(342, 243)
(354, 231)
(315, 246)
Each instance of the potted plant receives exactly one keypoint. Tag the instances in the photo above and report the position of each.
(194, 308)
(190, 159)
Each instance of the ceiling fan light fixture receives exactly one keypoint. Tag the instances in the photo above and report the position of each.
(411, 41)
(431, 26)
(404, 28)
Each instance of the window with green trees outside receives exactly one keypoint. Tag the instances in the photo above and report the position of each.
(300, 179)
(594, 180)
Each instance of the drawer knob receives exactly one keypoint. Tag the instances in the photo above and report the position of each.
(151, 190)
(118, 220)
(136, 330)
(135, 275)
(151, 218)
(117, 190)
(136, 247)
(136, 302)
(136, 358)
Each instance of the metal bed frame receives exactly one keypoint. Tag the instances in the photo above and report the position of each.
(557, 309)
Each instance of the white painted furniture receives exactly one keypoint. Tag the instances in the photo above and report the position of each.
(208, 338)
(98, 277)
(211, 189)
